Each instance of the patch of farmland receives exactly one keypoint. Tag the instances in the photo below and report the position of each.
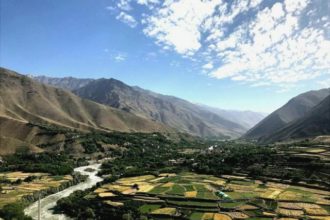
(11, 193)
(193, 203)
(165, 211)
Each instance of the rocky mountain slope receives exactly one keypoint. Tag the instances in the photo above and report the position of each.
(68, 83)
(314, 123)
(297, 108)
(171, 111)
(24, 102)
(118, 99)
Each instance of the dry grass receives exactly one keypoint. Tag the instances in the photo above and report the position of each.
(316, 211)
(289, 205)
(11, 194)
(248, 207)
(100, 190)
(315, 150)
(208, 216)
(167, 174)
(218, 216)
(169, 184)
(114, 204)
(271, 193)
(117, 188)
(164, 211)
(190, 194)
(290, 212)
(319, 217)
(237, 215)
(146, 187)
(106, 194)
(132, 180)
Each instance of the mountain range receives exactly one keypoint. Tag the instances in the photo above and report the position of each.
(172, 111)
(27, 104)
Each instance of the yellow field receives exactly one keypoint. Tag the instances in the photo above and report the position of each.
(190, 194)
(13, 193)
(237, 215)
(132, 180)
(208, 216)
(316, 211)
(169, 184)
(13, 176)
(114, 204)
(315, 150)
(167, 174)
(320, 217)
(164, 211)
(271, 193)
(146, 187)
(290, 212)
(100, 190)
(106, 194)
(218, 216)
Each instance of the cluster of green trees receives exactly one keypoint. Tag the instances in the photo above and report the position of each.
(14, 211)
(230, 157)
(53, 163)
(78, 206)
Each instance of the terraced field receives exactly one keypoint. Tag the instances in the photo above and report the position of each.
(193, 196)
(14, 185)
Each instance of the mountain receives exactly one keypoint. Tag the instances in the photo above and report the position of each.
(171, 111)
(316, 122)
(297, 108)
(24, 101)
(68, 83)
(247, 119)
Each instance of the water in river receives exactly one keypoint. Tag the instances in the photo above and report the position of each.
(49, 202)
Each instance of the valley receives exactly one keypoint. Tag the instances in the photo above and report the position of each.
(165, 110)
(150, 161)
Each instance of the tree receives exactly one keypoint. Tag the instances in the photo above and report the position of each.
(14, 211)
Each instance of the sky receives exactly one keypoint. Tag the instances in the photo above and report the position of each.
(232, 54)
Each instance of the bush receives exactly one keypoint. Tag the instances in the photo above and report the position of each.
(14, 211)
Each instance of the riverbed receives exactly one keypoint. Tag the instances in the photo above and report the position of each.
(49, 202)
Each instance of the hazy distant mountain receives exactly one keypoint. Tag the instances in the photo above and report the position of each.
(69, 83)
(172, 111)
(296, 108)
(316, 122)
(247, 119)
(24, 100)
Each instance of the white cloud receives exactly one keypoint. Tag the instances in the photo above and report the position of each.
(124, 5)
(177, 24)
(277, 50)
(110, 8)
(261, 43)
(127, 19)
(147, 2)
(119, 57)
(208, 66)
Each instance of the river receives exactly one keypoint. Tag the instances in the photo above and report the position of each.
(49, 202)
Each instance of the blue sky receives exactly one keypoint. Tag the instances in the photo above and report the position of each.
(245, 55)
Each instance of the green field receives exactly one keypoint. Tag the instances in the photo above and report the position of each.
(195, 196)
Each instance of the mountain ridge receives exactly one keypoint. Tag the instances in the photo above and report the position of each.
(113, 100)
(295, 109)
(26, 101)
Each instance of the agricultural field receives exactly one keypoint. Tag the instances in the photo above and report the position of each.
(15, 185)
(206, 197)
